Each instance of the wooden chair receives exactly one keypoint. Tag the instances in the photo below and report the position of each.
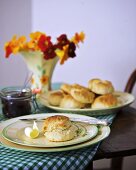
(131, 82)
(117, 148)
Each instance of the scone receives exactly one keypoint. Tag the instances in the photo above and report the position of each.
(55, 97)
(105, 101)
(100, 87)
(59, 128)
(70, 103)
(82, 95)
(79, 86)
(66, 88)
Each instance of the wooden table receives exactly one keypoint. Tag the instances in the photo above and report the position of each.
(122, 140)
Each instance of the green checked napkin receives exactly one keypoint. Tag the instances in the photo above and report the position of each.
(11, 159)
(73, 160)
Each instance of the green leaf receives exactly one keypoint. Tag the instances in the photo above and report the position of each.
(38, 67)
(44, 71)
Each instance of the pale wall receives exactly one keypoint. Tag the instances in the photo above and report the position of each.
(109, 51)
(15, 18)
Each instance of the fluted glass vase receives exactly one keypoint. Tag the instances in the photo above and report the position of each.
(42, 70)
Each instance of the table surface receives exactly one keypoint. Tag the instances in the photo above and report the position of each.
(122, 140)
(75, 159)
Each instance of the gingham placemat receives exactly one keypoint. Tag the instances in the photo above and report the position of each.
(71, 160)
(17, 160)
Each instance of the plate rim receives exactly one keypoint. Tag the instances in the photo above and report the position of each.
(93, 110)
(7, 137)
(58, 149)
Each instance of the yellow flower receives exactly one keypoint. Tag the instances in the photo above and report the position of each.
(62, 54)
(16, 44)
(33, 43)
(64, 48)
(21, 42)
(36, 35)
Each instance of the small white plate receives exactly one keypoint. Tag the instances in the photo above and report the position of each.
(124, 99)
(15, 133)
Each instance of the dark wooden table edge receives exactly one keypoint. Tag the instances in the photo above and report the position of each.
(124, 114)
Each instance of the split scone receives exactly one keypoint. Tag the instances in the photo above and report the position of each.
(100, 87)
(59, 128)
(105, 101)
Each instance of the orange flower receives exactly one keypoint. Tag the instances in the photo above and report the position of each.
(36, 35)
(15, 45)
(33, 43)
(63, 48)
(44, 79)
(78, 37)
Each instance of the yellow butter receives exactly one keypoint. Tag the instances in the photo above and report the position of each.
(32, 132)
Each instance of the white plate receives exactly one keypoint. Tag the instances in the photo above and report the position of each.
(124, 99)
(15, 133)
(104, 131)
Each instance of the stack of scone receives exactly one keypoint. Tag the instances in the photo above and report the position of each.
(98, 95)
(59, 128)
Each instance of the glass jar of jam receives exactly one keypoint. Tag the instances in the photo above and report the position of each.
(16, 101)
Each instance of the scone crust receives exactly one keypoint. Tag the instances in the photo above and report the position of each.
(66, 88)
(100, 86)
(79, 86)
(55, 122)
(104, 101)
(55, 97)
(82, 95)
(59, 128)
(69, 102)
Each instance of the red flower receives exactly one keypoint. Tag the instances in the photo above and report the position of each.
(50, 52)
(44, 42)
(71, 50)
(8, 51)
(64, 48)
(62, 41)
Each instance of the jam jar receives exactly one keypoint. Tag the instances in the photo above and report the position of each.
(16, 101)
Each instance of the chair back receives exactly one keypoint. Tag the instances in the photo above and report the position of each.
(131, 82)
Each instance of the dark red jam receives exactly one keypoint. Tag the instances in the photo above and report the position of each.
(16, 102)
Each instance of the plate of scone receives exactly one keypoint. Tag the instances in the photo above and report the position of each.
(98, 98)
(57, 132)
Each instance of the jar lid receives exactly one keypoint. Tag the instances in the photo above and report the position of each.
(17, 93)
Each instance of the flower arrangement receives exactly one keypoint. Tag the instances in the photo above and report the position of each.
(64, 48)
